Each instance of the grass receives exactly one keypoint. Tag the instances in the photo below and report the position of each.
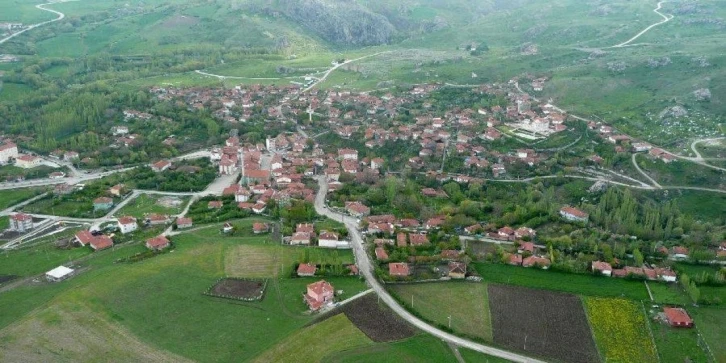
(710, 323)
(12, 197)
(620, 330)
(675, 344)
(668, 294)
(471, 356)
(572, 283)
(315, 342)
(37, 259)
(421, 348)
(146, 204)
(466, 303)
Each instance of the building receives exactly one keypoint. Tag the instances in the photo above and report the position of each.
(102, 203)
(183, 222)
(117, 190)
(300, 238)
(127, 224)
(306, 269)
(541, 262)
(59, 273)
(21, 222)
(602, 267)
(328, 239)
(398, 269)
(27, 161)
(258, 228)
(357, 209)
(457, 270)
(8, 151)
(574, 214)
(157, 219)
(101, 242)
(161, 165)
(381, 254)
(319, 294)
(157, 243)
(678, 317)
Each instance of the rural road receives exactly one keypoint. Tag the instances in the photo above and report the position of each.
(41, 7)
(365, 267)
(666, 18)
(338, 65)
(637, 167)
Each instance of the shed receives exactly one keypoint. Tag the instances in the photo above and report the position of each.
(59, 273)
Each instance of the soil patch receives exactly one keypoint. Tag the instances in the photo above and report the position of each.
(542, 322)
(180, 20)
(379, 323)
(239, 289)
(6, 278)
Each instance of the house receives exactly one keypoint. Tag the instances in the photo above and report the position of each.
(514, 259)
(70, 156)
(21, 222)
(183, 222)
(116, 190)
(398, 269)
(259, 207)
(328, 239)
(157, 243)
(101, 242)
(319, 294)
(215, 204)
(473, 229)
(8, 151)
(306, 269)
(505, 232)
(27, 161)
(157, 219)
(678, 317)
(102, 203)
(381, 254)
(573, 214)
(526, 247)
(602, 267)
(418, 239)
(160, 165)
(300, 238)
(127, 224)
(523, 232)
(401, 239)
(255, 176)
(227, 228)
(376, 163)
(679, 253)
(666, 274)
(541, 262)
(457, 270)
(357, 209)
(450, 255)
(348, 154)
(258, 228)
(59, 273)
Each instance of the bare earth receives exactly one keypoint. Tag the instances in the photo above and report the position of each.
(76, 334)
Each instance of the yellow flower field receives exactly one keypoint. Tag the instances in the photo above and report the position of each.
(621, 331)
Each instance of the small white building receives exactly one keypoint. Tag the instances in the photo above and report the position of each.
(328, 239)
(21, 222)
(27, 161)
(127, 224)
(59, 273)
(8, 151)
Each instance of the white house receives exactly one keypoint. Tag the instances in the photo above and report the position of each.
(127, 224)
(8, 151)
(573, 214)
(27, 161)
(59, 273)
(328, 239)
(21, 222)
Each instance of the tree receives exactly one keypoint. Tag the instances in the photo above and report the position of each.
(638, 256)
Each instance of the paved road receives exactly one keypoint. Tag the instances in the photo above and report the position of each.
(41, 7)
(364, 265)
(666, 18)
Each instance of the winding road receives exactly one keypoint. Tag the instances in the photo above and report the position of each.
(365, 267)
(637, 167)
(41, 7)
(666, 18)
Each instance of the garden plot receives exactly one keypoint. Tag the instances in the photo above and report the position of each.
(238, 289)
(541, 322)
(379, 324)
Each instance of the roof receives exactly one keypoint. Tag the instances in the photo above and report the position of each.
(101, 242)
(320, 287)
(381, 253)
(306, 269)
(21, 217)
(677, 316)
(398, 269)
(85, 237)
(418, 239)
(59, 272)
(183, 220)
(328, 235)
(457, 267)
(601, 266)
(157, 241)
(126, 220)
(257, 226)
(102, 200)
(574, 212)
(7, 146)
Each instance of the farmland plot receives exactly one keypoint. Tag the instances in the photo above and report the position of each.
(545, 323)
(620, 330)
(378, 323)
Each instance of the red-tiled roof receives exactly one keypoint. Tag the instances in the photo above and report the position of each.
(157, 242)
(677, 317)
(398, 269)
(306, 269)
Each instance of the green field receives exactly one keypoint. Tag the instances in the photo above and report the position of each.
(471, 356)
(620, 330)
(668, 293)
(710, 323)
(466, 303)
(566, 282)
(421, 348)
(675, 344)
(11, 197)
(146, 204)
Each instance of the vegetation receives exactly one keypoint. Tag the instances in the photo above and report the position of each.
(12, 197)
(145, 204)
(621, 330)
(416, 349)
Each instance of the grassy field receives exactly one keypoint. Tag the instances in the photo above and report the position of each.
(11, 197)
(668, 294)
(620, 330)
(565, 282)
(471, 356)
(421, 348)
(466, 303)
(39, 258)
(710, 323)
(681, 173)
(145, 204)
(674, 344)
(315, 342)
